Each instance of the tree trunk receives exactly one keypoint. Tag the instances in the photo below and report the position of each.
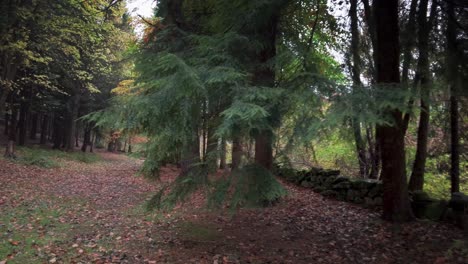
(264, 149)
(58, 133)
(454, 146)
(452, 75)
(93, 141)
(417, 175)
(23, 124)
(10, 149)
(222, 155)
(191, 155)
(34, 124)
(44, 126)
(396, 204)
(130, 143)
(71, 123)
(236, 152)
(86, 139)
(7, 118)
(408, 42)
(356, 76)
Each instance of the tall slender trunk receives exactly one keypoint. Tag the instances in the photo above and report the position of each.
(24, 109)
(58, 133)
(86, 138)
(222, 154)
(71, 123)
(417, 176)
(407, 46)
(236, 152)
(452, 75)
(454, 146)
(396, 204)
(34, 124)
(356, 76)
(10, 149)
(191, 154)
(44, 126)
(5, 130)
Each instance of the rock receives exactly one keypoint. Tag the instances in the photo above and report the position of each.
(342, 185)
(377, 190)
(459, 202)
(328, 182)
(306, 184)
(328, 173)
(420, 196)
(352, 195)
(341, 179)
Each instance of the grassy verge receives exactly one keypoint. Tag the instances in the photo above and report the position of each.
(29, 230)
(48, 158)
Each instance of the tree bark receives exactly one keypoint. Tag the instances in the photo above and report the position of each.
(417, 176)
(10, 149)
(34, 124)
(264, 149)
(356, 76)
(86, 138)
(44, 126)
(7, 118)
(396, 204)
(58, 133)
(222, 155)
(452, 75)
(236, 152)
(71, 123)
(23, 123)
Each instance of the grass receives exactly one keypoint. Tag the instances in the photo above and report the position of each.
(48, 158)
(198, 232)
(28, 228)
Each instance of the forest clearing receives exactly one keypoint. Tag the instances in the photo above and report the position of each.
(234, 131)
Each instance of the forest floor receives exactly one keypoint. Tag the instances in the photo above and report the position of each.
(94, 213)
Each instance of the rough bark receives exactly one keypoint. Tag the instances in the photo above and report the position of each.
(396, 204)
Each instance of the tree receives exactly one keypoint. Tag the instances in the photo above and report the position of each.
(396, 205)
(424, 78)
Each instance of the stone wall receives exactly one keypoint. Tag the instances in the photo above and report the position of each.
(329, 183)
(369, 193)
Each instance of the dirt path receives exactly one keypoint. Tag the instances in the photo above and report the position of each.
(94, 213)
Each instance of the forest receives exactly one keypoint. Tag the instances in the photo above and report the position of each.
(234, 131)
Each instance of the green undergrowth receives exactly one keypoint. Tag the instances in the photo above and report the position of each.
(48, 158)
(28, 229)
(198, 232)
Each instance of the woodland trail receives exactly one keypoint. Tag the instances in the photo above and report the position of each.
(94, 213)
